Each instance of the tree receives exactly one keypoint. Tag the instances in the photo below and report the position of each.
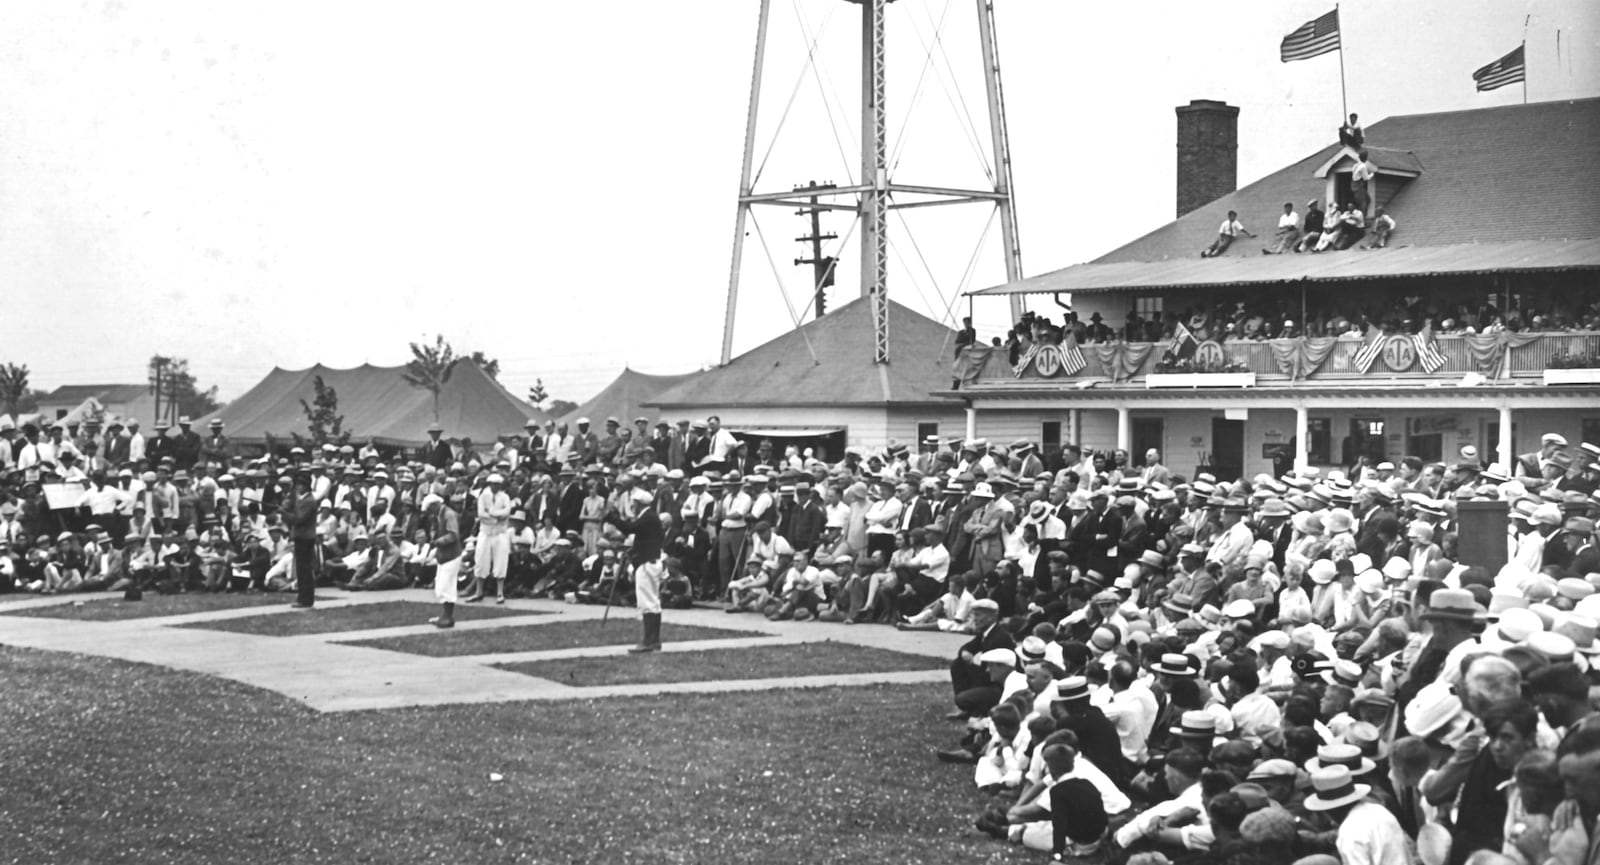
(13, 386)
(562, 407)
(487, 364)
(537, 394)
(322, 415)
(430, 368)
(178, 393)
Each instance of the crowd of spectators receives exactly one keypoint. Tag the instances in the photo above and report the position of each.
(1161, 668)
(1282, 317)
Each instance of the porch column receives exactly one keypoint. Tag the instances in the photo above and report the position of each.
(1302, 445)
(1124, 429)
(1504, 454)
(972, 423)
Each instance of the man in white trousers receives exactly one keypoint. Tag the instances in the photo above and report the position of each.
(494, 539)
(639, 519)
(445, 531)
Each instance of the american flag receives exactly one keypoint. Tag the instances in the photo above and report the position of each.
(1071, 356)
(1369, 351)
(1183, 343)
(1507, 70)
(1427, 349)
(1311, 39)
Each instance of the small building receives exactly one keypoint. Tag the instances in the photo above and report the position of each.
(119, 401)
(1485, 329)
(818, 385)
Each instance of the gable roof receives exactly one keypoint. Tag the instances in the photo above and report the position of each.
(782, 373)
(1513, 172)
(1490, 178)
(107, 394)
(625, 396)
(376, 402)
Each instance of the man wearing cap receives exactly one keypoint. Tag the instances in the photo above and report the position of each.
(646, 555)
(493, 551)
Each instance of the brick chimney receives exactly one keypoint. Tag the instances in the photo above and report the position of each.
(1208, 152)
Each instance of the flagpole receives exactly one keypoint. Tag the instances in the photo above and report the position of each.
(1525, 20)
(1344, 101)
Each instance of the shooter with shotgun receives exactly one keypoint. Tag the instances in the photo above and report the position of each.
(635, 516)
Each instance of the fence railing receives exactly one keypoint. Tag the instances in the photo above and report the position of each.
(1524, 355)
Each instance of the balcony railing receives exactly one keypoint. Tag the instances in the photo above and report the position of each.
(1493, 356)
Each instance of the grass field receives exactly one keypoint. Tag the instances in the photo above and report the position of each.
(541, 638)
(115, 762)
(153, 606)
(714, 665)
(361, 617)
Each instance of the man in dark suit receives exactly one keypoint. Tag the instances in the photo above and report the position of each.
(542, 504)
(1375, 501)
(1103, 529)
(301, 516)
(1531, 465)
(569, 511)
(917, 511)
(438, 450)
(972, 684)
(809, 519)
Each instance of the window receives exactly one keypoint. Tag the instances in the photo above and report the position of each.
(1049, 436)
(926, 428)
(61, 413)
(1148, 306)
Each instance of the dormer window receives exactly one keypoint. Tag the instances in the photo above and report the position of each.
(1390, 170)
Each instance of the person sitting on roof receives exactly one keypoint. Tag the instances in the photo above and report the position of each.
(1288, 231)
(1382, 226)
(1230, 229)
(1312, 230)
(1330, 228)
(1352, 227)
(1350, 134)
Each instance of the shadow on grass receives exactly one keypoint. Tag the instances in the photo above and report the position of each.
(360, 617)
(719, 665)
(153, 606)
(541, 638)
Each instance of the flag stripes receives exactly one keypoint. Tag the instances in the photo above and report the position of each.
(1369, 351)
(1428, 353)
(1507, 70)
(1311, 39)
(1072, 360)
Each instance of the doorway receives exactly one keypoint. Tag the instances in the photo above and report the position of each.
(1227, 448)
(1367, 438)
(1148, 434)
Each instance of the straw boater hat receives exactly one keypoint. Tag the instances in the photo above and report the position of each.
(1173, 664)
(1196, 723)
(1334, 787)
(1347, 756)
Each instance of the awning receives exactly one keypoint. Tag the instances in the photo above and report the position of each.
(1522, 256)
(807, 432)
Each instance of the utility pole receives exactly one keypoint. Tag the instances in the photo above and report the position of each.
(160, 363)
(821, 265)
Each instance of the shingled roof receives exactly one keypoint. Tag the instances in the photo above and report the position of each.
(782, 372)
(107, 394)
(1514, 172)
(1509, 175)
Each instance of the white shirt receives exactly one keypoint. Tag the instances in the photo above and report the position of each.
(1230, 227)
(722, 444)
(1289, 220)
(1133, 711)
(1370, 835)
(1114, 800)
(1141, 825)
(934, 561)
(883, 516)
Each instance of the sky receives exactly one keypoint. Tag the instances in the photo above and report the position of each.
(260, 185)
